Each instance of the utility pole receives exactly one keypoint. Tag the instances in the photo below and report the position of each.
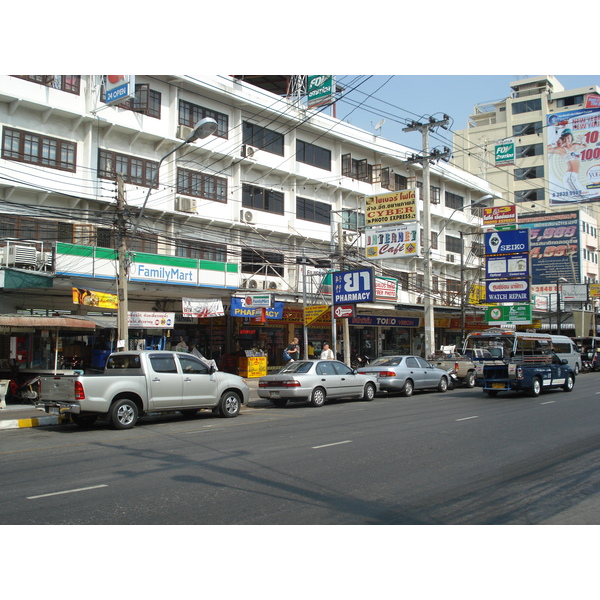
(122, 290)
(425, 159)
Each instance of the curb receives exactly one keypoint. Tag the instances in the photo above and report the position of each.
(31, 422)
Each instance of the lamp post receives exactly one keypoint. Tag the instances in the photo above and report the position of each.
(203, 129)
(558, 313)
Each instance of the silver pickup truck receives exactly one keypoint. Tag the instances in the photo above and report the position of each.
(135, 383)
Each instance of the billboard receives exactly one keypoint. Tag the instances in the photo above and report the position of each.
(554, 247)
(320, 90)
(391, 209)
(574, 154)
(401, 241)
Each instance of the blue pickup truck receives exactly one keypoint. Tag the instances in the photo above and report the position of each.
(517, 361)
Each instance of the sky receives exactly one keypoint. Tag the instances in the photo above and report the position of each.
(415, 97)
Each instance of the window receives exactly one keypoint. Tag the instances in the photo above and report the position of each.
(434, 194)
(529, 173)
(393, 181)
(265, 263)
(201, 185)
(353, 220)
(526, 106)
(453, 244)
(136, 171)
(530, 150)
(190, 114)
(65, 83)
(146, 101)
(313, 155)
(528, 128)
(434, 240)
(163, 364)
(263, 138)
(454, 201)
(360, 169)
(569, 101)
(311, 210)
(201, 250)
(190, 364)
(38, 149)
(262, 199)
(105, 238)
(529, 195)
(26, 228)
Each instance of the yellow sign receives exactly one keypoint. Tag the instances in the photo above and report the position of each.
(390, 209)
(91, 298)
(594, 290)
(312, 313)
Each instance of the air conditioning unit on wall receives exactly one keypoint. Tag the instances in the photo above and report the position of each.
(246, 216)
(271, 285)
(183, 132)
(251, 284)
(184, 204)
(248, 151)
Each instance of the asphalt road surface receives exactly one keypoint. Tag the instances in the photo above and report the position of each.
(453, 458)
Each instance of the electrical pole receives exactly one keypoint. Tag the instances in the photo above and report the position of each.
(122, 290)
(425, 159)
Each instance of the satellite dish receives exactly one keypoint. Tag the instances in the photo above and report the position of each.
(379, 125)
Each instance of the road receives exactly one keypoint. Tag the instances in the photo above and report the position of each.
(453, 458)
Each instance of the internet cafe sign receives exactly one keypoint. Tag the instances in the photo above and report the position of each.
(391, 209)
(401, 241)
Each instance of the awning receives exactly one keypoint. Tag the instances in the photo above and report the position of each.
(16, 323)
(102, 321)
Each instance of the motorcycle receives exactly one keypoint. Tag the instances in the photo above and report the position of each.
(360, 361)
(452, 379)
(26, 392)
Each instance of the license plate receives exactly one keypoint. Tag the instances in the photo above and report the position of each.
(499, 386)
(54, 410)
(275, 395)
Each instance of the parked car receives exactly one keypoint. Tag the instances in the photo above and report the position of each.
(405, 374)
(316, 381)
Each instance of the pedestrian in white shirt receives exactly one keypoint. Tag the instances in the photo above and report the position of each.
(327, 353)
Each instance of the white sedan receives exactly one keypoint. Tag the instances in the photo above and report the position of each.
(316, 381)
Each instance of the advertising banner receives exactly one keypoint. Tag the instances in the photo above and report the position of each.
(150, 320)
(91, 298)
(202, 308)
(351, 287)
(506, 242)
(118, 88)
(504, 154)
(574, 155)
(320, 90)
(510, 265)
(391, 209)
(507, 290)
(509, 315)
(499, 215)
(554, 247)
(400, 241)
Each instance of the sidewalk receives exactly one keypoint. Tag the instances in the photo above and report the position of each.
(18, 416)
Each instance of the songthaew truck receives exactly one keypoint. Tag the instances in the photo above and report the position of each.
(517, 361)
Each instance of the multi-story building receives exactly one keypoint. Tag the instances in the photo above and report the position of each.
(539, 147)
(269, 204)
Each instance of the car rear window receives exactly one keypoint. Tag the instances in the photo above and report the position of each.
(390, 361)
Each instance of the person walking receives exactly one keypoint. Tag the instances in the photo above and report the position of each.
(327, 353)
(292, 352)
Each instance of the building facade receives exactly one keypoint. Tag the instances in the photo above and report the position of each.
(270, 204)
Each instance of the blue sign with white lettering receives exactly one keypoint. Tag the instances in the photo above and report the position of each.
(513, 241)
(352, 287)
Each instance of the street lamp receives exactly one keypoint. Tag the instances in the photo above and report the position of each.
(203, 129)
(558, 314)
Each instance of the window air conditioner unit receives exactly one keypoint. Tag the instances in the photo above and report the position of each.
(246, 216)
(183, 132)
(248, 151)
(184, 204)
(21, 255)
(450, 258)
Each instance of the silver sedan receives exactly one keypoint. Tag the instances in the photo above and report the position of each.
(405, 374)
(316, 381)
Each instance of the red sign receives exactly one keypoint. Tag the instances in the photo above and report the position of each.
(343, 311)
(499, 215)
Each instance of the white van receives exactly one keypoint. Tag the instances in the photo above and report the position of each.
(565, 347)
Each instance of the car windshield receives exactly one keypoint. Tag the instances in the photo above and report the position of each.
(387, 361)
(297, 366)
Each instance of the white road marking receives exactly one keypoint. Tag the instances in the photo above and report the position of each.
(334, 444)
(467, 418)
(548, 402)
(94, 487)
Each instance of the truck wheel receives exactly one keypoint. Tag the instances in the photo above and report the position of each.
(442, 385)
(369, 392)
(123, 414)
(536, 388)
(407, 388)
(229, 405)
(84, 420)
(317, 398)
(470, 379)
(569, 383)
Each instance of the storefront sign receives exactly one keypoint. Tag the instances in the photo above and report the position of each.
(505, 153)
(150, 320)
(92, 298)
(375, 321)
(506, 242)
(352, 287)
(503, 267)
(508, 315)
(118, 88)
(499, 215)
(239, 308)
(391, 209)
(386, 288)
(400, 241)
(319, 90)
(510, 290)
(312, 313)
